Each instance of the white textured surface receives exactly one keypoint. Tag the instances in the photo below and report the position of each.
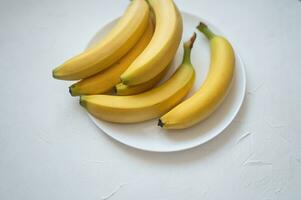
(49, 148)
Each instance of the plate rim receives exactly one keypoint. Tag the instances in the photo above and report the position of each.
(193, 145)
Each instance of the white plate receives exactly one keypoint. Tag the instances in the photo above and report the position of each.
(147, 135)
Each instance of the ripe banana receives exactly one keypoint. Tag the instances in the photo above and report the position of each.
(105, 80)
(147, 105)
(124, 90)
(213, 90)
(163, 46)
(116, 44)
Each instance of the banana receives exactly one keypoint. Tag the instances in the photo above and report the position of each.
(147, 105)
(116, 44)
(212, 92)
(123, 90)
(163, 46)
(105, 80)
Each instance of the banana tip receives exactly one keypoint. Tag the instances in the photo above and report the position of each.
(115, 90)
(124, 81)
(160, 123)
(71, 91)
(54, 73)
(82, 101)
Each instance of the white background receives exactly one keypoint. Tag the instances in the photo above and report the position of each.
(50, 149)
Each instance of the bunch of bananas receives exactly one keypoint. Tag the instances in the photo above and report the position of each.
(134, 56)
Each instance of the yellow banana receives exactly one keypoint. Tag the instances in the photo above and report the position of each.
(163, 46)
(147, 105)
(123, 90)
(213, 90)
(105, 80)
(116, 44)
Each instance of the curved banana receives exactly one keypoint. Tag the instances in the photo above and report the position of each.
(213, 90)
(124, 90)
(163, 46)
(105, 80)
(116, 44)
(147, 105)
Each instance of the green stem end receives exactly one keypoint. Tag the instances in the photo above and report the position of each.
(205, 30)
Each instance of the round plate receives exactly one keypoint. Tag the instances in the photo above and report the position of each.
(147, 135)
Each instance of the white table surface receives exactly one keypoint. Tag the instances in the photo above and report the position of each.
(50, 149)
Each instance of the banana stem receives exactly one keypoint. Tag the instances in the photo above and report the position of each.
(204, 29)
(187, 49)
